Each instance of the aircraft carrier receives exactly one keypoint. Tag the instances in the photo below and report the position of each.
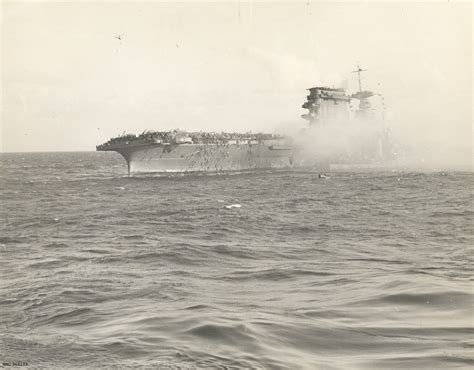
(181, 151)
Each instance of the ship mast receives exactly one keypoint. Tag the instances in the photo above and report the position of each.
(359, 70)
(362, 96)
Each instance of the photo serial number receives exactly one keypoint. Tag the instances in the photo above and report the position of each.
(15, 363)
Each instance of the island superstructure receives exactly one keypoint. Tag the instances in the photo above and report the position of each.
(332, 106)
(352, 117)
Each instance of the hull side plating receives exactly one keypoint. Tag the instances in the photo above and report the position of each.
(204, 157)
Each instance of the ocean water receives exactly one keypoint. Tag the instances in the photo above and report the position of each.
(361, 270)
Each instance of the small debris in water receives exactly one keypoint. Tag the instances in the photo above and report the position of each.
(120, 188)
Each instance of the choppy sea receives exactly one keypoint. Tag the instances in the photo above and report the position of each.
(360, 270)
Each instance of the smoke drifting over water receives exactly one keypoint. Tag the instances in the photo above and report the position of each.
(436, 139)
(435, 148)
(351, 141)
(361, 143)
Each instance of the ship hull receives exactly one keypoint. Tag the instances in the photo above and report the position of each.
(204, 157)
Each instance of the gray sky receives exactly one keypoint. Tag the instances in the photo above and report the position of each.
(69, 84)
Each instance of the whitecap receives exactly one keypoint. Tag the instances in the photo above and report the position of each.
(231, 206)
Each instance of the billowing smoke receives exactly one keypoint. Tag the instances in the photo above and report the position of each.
(349, 143)
(433, 150)
(359, 145)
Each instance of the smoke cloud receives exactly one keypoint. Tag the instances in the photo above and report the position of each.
(368, 145)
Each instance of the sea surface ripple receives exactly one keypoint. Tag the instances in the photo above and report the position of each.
(361, 270)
